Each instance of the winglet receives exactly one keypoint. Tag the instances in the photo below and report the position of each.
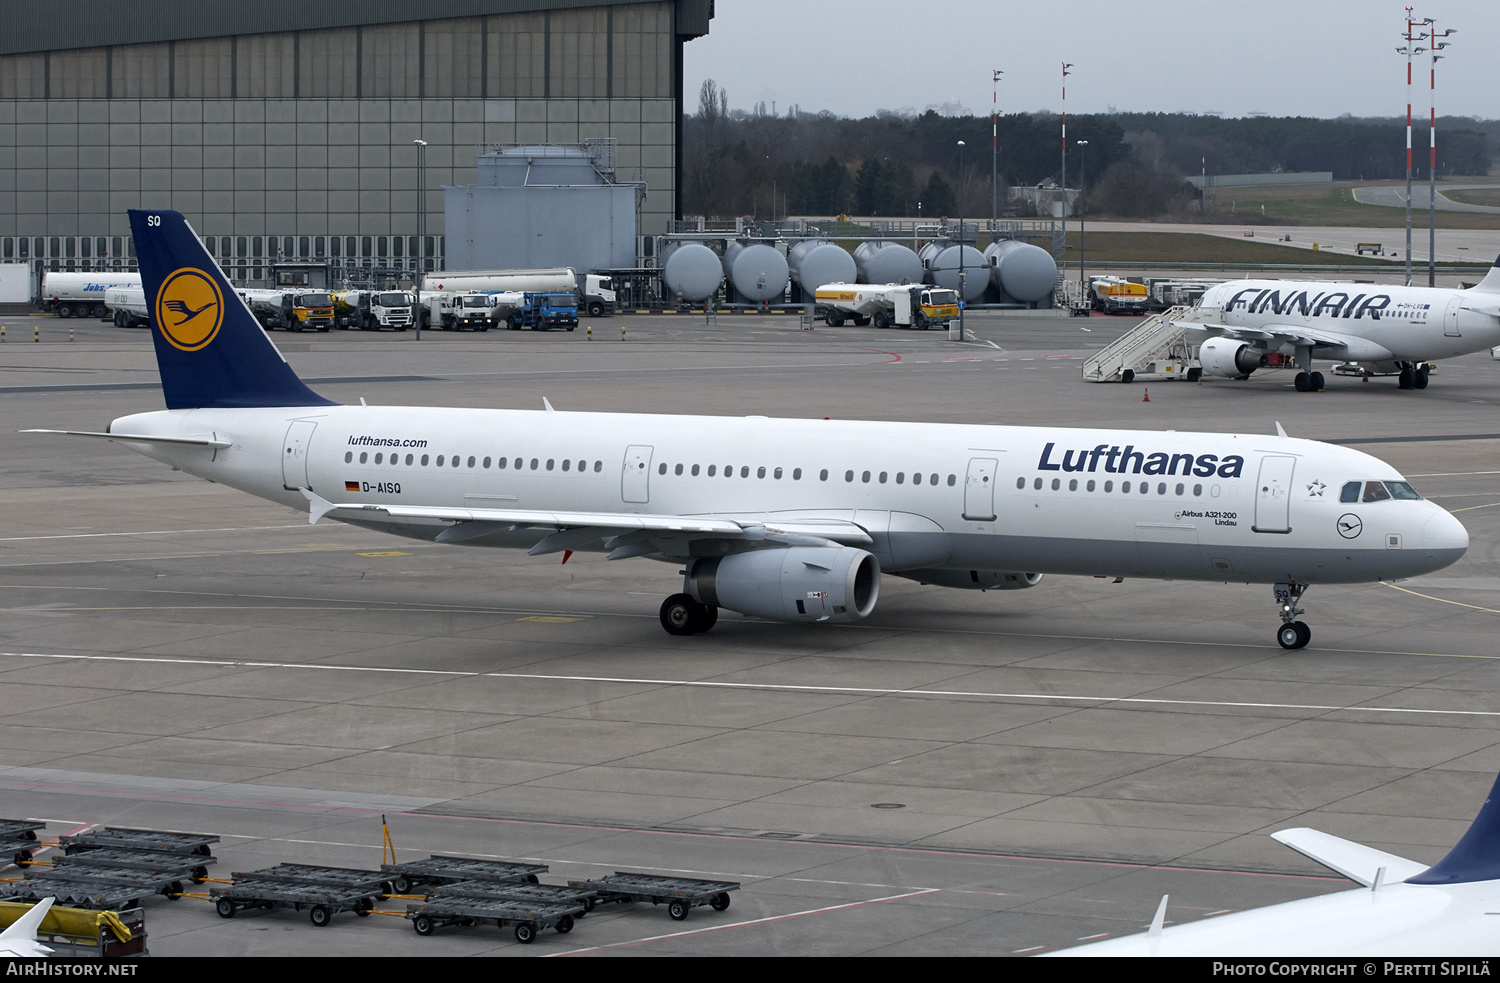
(1161, 919)
(1279, 431)
(318, 506)
(1476, 857)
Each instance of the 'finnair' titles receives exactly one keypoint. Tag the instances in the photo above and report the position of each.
(1128, 460)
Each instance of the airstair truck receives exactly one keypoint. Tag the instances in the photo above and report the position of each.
(903, 305)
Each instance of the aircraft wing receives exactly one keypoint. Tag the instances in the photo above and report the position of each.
(1344, 345)
(627, 533)
(1355, 861)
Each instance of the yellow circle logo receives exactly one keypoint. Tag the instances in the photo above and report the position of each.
(189, 309)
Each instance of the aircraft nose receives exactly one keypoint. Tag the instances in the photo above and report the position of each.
(1443, 534)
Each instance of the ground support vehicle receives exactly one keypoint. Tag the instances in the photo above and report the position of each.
(530, 892)
(125, 838)
(79, 932)
(528, 917)
(290, 311)
(179, 866)
(368, 881)
(470, 310)
(902, 305)
(18, 838)
(545, 311)
(82, 294)
(440, 869)
(371, 310)
(595, 291)
(679, 894)
(322, 901)
(1114, 295)
(99, 887)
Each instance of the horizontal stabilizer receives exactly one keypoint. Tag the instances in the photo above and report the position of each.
(1355, 861)
(131, 438)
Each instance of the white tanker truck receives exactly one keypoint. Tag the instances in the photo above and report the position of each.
(595, 293)
(905, 305)
(83, 294)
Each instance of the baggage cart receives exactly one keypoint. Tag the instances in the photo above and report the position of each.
(679, 894)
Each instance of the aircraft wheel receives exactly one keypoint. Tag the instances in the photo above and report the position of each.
(1302, 383)
(679, 614)
(705, 616)
(1293, 636)
(1317, 382)
(1420, 381)
(1407, 379)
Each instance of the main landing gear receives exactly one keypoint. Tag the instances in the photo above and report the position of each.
(1413, 375)
(1292, 634)
(1306, 381)
(681, 615)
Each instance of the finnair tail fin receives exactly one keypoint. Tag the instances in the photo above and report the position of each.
(209, 348)
(20, 938)
(1491, 282)
(1476, 856)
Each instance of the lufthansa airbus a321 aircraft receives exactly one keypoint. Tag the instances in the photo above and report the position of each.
(789, 520)
(1373, 330)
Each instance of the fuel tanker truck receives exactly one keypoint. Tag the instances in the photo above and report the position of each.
(905, 305)
(82, 294)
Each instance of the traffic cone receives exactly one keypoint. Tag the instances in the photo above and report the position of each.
(1146, 398)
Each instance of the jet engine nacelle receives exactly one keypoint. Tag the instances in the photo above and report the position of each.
(1228, 358)
(974, 579)
(799, 583)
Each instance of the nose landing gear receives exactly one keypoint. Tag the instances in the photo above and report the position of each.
(1292, 634)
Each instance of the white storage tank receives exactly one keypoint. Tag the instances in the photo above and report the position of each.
(941, 261)
(815, 262)
(757, 270)
(878, 261)
(1026, 272)
(691, 270)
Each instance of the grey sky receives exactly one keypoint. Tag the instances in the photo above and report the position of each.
(1318, 58)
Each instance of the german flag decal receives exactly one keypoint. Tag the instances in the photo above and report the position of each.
(351, 486)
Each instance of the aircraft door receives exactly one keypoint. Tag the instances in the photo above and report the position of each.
(1450, 318)
(294, 455)
(979, 489)
(635, 477)
(1273, 494)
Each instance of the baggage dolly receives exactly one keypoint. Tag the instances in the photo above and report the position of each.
(374, 882)
(323, 901)
(18, 839)
(175, 865)
(528, 917)
(440, 869)
(550, 893)
(114, 883)
(125, 838)
(679, 894)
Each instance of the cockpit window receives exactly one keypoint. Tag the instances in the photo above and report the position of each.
(1402, 491)
(1351, 491)
(1375, 492)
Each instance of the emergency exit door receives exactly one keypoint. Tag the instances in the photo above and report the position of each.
(635, 480)
(294, 455)
(979, 489)
(1273, 494)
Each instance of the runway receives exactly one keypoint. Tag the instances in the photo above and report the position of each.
(989, 773)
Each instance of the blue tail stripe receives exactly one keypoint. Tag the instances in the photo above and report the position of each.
(1476, 857)
(209, 348)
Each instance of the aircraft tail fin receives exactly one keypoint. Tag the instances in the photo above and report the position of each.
(23, 929)
(1491, 282)
(1476, 856)
(209, 348)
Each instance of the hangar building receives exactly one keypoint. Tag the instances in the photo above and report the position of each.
(285, 128)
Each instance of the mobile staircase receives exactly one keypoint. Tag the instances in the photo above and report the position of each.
(1157, 348)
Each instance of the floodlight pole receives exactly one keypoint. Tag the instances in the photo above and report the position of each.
(995, 154)
(1408, 51)
(416, 310)
(1083, 289)
(1066, 73)
(1434, 45)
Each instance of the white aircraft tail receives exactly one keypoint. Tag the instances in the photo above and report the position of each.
(20, 938)
(1491, 282)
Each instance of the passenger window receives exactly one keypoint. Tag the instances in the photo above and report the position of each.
(455, 460)
(439, 460)
(1197, 491)
(550, 462)
(598, 466)
(534, 463)
(1180, 489)
(882, 477)
(1109, 486)
(865, 477)
(424, 460)
(486, 463)
(823, 475)
(471, 461)
(776, 474)
(678, 469)
(745, 471)
(379, 458)
(1037, 485)
(363, 457)
(695, 471)
(1020, 482)
(1161, 488)
(796, 474)
(1350, 492)
(1125, 487)
(760, 472)
(934, 480)
(1090, 485)
(1375, 492)
(848, 475)
(348, 456)
(952, 480)
(1056, 483)
(660, 468)
(501, 463)
(1073, 485)
(900, 477)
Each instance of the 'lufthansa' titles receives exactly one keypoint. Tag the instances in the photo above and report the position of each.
(1113, 459)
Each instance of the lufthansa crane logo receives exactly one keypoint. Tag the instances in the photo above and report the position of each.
(189, 309)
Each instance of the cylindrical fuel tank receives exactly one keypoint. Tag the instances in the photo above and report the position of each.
(814, 262)
(1024, 271)
(691, 270)
(941, 260)
(757, 271)
(886, 262)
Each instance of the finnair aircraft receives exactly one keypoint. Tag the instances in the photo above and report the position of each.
(1403, 909)
(18, 941)
(788, 520)
(1374, 330)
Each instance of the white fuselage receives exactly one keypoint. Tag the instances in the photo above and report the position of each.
(1398, 919)
(1375, 321)
(933, 497)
